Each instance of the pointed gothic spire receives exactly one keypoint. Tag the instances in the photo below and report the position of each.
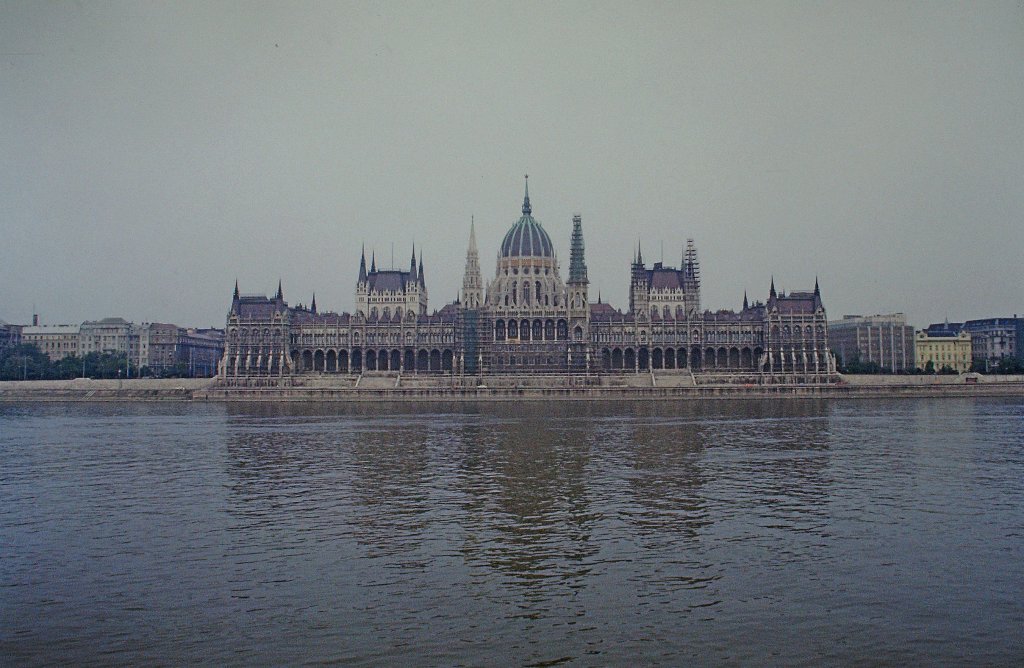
(422, 281)
(373, 262)
(362, 265)
(412, 263)
(312, 304)
(771, 291)
(472, 282)
(236, 290)
(280, 294)
(745, 305)
(577, 264)
(639, 253)
(817, 291)
(527, 209)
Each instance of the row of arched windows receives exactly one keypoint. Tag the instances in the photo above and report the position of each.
(524, 330)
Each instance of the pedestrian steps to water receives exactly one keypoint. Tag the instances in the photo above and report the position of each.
(673, 378)
(378, 380)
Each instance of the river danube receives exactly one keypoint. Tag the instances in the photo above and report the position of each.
(728, 532)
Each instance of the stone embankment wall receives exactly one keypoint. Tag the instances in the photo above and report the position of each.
(83, 389)
(392, 387)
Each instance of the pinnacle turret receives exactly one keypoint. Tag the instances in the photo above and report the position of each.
(362, 266)
(472, 282)
(577, 263)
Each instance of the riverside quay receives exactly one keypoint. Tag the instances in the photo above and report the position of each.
(528, 321)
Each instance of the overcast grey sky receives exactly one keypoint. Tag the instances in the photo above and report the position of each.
(150, 153)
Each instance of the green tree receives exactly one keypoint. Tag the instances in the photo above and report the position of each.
(1011, 365)
(24, 362)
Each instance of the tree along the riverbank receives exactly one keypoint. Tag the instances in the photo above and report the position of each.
(26, 362)
(1005, 365)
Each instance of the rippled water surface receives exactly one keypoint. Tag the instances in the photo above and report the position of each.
(753, 532)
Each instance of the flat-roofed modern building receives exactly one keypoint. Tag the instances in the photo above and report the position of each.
(884, 339)
(56, 341)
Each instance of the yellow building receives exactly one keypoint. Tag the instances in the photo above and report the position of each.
(952, 350)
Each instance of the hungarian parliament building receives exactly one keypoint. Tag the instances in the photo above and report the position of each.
(528, 321)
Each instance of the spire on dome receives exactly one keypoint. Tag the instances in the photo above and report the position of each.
(527, 209)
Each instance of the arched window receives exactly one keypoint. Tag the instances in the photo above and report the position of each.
(499, 330)
(537, 291)
(515, 294)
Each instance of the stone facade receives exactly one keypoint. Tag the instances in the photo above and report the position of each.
(199, 350)
(10, 335)
(943, 348)
(528, 320)
(994, 339)
(56, 341)
(886, 340)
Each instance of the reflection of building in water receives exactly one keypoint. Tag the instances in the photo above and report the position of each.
(529, 320)
(527, 507)
(666, 478)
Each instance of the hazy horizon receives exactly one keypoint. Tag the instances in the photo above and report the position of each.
(153, 153)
